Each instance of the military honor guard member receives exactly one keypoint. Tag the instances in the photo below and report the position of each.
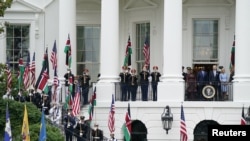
(69, 123)
(133, 84)
(155, 79)
(97, 134)
(124, 76)
(81, 130)
(45, 103)
(84, 81)
(144, 74)
(55, 113)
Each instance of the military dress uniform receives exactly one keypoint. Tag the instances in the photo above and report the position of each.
(133, 84)
(97, 134)
(69, 123)
(81, 130)
(155, 79)
(124, 84)
(84, 80)
(144, 74)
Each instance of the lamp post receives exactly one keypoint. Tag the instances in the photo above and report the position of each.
(247, 117)
(167, 118)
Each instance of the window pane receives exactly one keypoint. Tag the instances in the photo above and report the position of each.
(88, 49)
(205, 40)
(17, 43)
(142, 30)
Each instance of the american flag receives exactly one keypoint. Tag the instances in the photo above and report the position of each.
(243, 120)
(56, 84)
(26, 75)
(53, 58)
(76, 103)
(33, 71)
(183, 130)
(146, 51)
(9, 75)
(111, 121)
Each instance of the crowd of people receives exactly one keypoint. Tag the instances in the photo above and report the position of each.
(129, 82)
(195, 82)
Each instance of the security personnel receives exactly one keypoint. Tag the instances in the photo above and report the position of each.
(144, 74)
(155, 79)
(97, 134)
(69, 123)
(84, 81)
(81, 130)
(133, 84)
(124, 75)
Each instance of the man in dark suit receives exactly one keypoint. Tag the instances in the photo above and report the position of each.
(202, 78)
(84, 81)
(155, 79)
(214, 80)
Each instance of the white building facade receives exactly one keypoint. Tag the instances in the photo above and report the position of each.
(99, 31)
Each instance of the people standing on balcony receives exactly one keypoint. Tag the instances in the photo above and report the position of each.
(144, 74)
(124, 76)
(191, 84)
(155, 75)
(202, 78)
(224, 82)
(84, 81)
(214, 80)
(133, 84)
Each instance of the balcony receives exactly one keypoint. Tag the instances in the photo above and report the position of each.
(205, 93)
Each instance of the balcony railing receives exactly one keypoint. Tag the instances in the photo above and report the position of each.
(199, 94)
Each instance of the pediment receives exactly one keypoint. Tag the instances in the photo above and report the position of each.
(22, 6)
(139, 4)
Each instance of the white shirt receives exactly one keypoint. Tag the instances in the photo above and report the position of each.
(55, 114)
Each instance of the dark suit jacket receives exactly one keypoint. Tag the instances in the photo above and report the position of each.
(214, 79)
(202, 78)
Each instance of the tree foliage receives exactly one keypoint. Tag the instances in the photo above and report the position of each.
(3, 6)
(16, 112)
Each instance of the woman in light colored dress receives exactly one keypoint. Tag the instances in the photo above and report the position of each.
(223, 79)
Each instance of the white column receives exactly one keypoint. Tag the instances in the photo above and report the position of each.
(109, 68)
(67, 25)
(171, 87)
(242, 49)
